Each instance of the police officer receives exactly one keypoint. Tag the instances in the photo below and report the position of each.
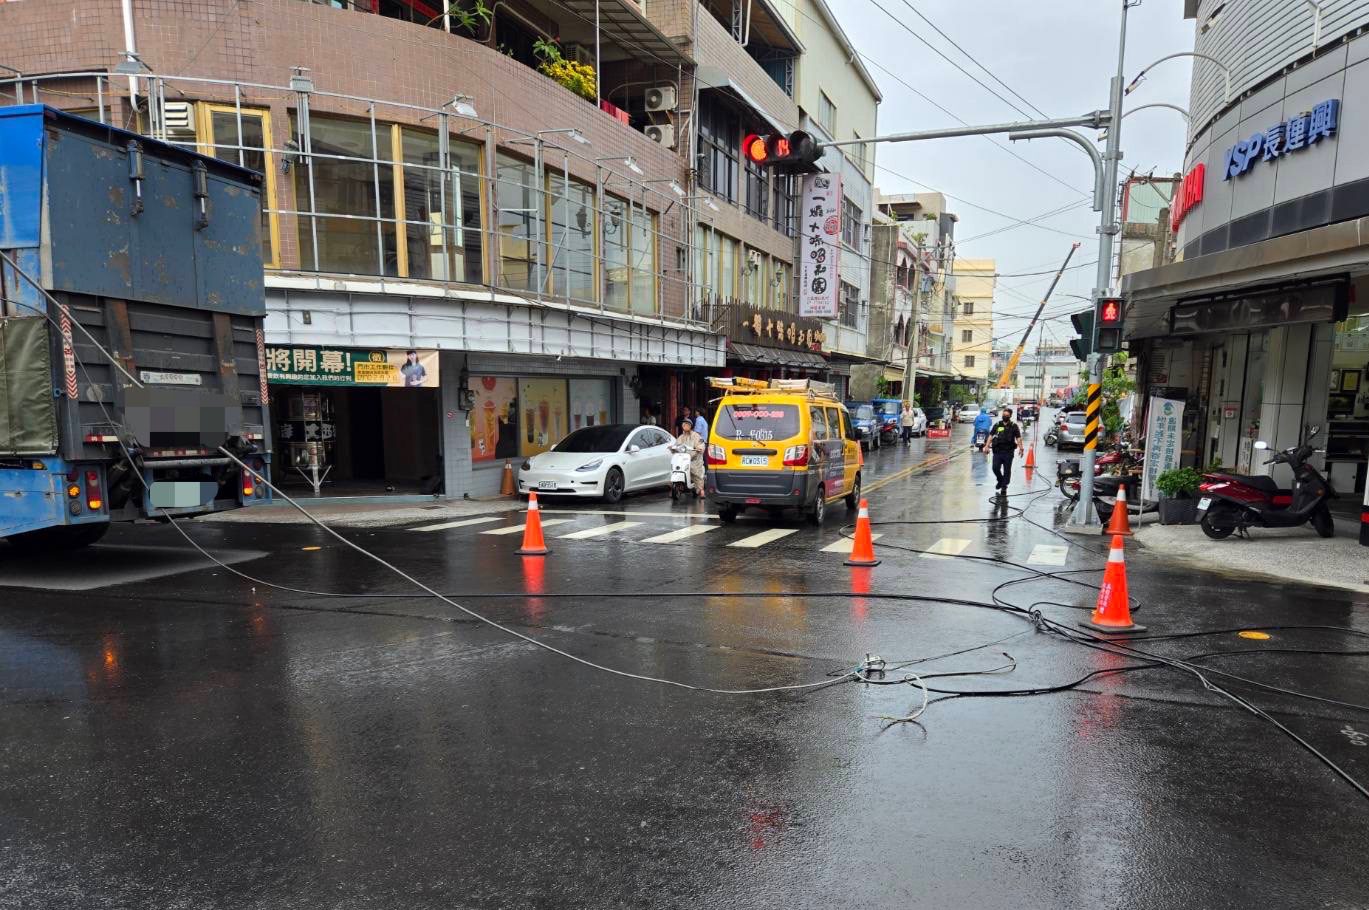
(1004, 437)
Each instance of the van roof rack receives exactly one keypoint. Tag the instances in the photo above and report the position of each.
(813, 387)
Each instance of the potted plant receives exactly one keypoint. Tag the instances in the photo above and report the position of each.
(1177, 488)
(577, 77)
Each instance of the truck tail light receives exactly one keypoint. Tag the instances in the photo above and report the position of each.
(715, 455)
(248, 484)
(796, 456)
(94, 498)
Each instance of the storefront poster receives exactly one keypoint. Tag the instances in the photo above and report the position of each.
(398, 369)
(1164, 434)
(542, 414)
(820, 246)
(590, 403)
(494, 419)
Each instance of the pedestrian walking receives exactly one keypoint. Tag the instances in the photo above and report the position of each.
(1004, 438)
(906, 419)
(700, 423)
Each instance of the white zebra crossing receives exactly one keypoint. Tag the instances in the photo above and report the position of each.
(599, 531)
(518, 529)
(947, 547)
(845, 544)
(446, 525)
(1048, 555)
(763, 538)
(681, 534)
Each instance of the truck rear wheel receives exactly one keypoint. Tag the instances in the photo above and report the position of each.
(65, 538)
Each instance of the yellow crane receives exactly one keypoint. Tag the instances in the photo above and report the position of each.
(1005, 379)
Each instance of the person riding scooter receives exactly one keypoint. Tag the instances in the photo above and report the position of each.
(982, 424)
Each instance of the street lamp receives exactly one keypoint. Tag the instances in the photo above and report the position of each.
(629, 162)
(1173, 107)
(463, 106)
(1226, 71)
(571, 133)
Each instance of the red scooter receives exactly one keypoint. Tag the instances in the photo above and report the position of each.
(1235, 502)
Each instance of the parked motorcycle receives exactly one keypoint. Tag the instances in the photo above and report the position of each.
(1052, 435)
(681, 482)
(1229, 503)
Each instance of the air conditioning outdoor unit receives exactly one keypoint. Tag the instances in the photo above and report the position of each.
(663, 133)
(178, 121)
(661, 98)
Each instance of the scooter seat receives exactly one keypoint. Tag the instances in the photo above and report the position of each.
(1257, 481)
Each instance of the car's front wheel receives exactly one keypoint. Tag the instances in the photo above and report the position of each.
(613, 485)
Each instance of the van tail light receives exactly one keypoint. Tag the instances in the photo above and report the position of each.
(94, 497)
(796, 456)
(715, 455)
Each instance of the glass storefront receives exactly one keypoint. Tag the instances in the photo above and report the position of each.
(521, 416)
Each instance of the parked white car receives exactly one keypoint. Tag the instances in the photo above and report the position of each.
(968, 413)
(605, 461)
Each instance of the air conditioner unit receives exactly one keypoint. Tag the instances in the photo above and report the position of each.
(663, 133)
(178, 121)
(661, 98)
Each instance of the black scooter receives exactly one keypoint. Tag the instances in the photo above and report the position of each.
(1231, 503)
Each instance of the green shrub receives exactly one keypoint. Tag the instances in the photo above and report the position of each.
(1178, 482)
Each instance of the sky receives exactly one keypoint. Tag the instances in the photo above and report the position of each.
(1058, 55)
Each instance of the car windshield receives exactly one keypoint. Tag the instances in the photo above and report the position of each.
(759, 422)
(607, 438)
(862, 412)
(1075, 419)
(890, 407)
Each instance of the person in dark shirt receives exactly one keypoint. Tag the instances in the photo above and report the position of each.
(1004, 437)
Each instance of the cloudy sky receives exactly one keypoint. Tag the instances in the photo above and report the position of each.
(1059, 56)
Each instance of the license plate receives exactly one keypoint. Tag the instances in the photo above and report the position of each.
(1204, 503)
(180, 494)
(755, 461)
(753, 501)
(546, 484)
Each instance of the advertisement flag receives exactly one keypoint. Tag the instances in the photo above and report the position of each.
(820, 246)
(1164, 435)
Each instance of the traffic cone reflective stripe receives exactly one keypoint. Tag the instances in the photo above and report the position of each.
(1120, 522)
(533, 544)
(1113, 612)
(863, 550)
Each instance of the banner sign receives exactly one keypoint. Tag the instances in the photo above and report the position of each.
(820, 246)
(1164, 441)
(295, 365)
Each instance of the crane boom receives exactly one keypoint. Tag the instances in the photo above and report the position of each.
(1006, 378)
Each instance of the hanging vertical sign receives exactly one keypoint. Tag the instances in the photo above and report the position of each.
(1164, 435)
(820, 246)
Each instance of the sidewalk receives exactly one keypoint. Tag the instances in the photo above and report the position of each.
(359, 513)
(1280, 554)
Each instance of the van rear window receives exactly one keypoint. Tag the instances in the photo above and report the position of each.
(757, 422)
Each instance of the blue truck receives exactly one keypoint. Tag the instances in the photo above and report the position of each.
(131, 330)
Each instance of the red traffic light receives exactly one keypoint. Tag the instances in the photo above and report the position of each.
(1110, 311)
(756, 149)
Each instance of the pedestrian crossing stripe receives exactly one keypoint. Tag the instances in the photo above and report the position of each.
(845, 544)
(681, 534)
(947, 547)
(599, 531)
(763, 538)
(518, 529)
(446, 525)
(1048, 555)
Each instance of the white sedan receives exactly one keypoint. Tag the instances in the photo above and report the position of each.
(606, 461)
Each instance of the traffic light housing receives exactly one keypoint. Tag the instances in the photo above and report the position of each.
(1083, 327)
(795, 153)
(1109, 314)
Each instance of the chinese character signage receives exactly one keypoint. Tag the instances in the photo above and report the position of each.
(1189, 195)
(349, 367)
(1302, 131)
(820, 246)
(1164, 442)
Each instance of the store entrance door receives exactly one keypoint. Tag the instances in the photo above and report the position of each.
(366, 444)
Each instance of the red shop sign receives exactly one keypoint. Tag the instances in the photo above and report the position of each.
(1189, 195)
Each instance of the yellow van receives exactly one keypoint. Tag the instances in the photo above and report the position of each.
(785, 444)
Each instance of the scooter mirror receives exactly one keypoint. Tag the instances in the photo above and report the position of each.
(1261, 444)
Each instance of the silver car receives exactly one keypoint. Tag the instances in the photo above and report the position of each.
(1072, 429)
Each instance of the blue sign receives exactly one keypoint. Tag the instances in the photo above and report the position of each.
(1303, 131)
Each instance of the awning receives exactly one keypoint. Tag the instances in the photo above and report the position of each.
(782, 357)
(709, 76)
(622, 24)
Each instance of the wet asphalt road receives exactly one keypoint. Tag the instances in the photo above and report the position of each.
(174, 738)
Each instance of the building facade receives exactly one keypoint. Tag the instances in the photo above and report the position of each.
(927, 229)
(972, 334)
(1261, 325)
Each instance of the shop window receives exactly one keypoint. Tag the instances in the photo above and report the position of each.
(351, 210)
(629, 257)
(570, 228)
(251, 148)
(517, 233)
(440, 208)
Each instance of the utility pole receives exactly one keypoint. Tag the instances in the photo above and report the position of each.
(1085, 517)
(910, 355)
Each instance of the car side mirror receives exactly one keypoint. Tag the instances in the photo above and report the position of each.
(1261, 444)
(633, 450)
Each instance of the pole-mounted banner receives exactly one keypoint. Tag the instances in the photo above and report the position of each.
(1092, 414)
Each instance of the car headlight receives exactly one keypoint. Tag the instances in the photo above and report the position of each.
(591, 466)
(525, 466)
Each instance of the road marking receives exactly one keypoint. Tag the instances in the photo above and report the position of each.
(845, 544)
(599, 531)
(518, 529)
(899, 475)
(946, 547)
(460, 524)
(681, 534)
(763, 538)
(692, 516)
(1044, 554)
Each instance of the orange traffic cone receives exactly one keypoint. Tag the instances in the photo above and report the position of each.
(1031, 457)
(1113, 613)
(1120, 522)
(863, 550)
(533, 544)
(506, 487)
